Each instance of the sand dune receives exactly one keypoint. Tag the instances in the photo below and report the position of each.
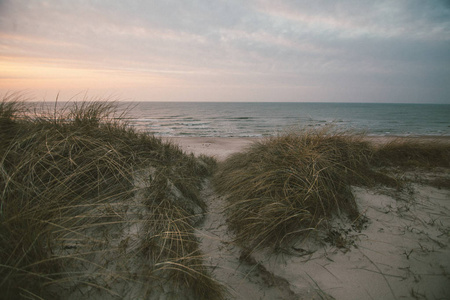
(400, 253)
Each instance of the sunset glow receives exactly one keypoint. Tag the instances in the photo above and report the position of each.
(345, 51)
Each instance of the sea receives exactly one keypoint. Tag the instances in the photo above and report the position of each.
(231, 119)
(259, 119)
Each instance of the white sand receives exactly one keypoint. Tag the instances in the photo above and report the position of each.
(220, 148)
(402, 253)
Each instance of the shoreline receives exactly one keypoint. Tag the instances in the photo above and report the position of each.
(218, 147)
(222, 147)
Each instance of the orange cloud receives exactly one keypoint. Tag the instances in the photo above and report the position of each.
(26, 73)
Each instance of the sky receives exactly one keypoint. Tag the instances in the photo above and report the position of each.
(236, 50)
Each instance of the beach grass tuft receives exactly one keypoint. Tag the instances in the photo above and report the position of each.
(287, 186)
(291, 185)
(90, 206)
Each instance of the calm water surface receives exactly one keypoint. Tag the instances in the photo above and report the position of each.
(262, 119)
(265, 119)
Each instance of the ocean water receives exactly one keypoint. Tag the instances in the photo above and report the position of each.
(265, 119)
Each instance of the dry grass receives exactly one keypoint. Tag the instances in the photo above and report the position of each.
(173, 247)
(409, 152)
(68, 182)
(289, 185)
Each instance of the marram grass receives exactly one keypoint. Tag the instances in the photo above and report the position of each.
(291, 185)
(91, 208)
(288, 185)
(411, 153)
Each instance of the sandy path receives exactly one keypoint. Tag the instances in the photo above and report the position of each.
(244, 279)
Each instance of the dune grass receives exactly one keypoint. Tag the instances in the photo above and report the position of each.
(288, 185)
(411, 152)
(291, 185)
(74, 220)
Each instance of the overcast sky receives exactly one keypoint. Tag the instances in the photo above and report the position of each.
(211, 50)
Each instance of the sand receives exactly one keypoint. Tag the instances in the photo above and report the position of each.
(401, 253)
(220, 148)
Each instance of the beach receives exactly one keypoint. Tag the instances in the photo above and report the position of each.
(400, 253)
(222, 147)
(218, 147)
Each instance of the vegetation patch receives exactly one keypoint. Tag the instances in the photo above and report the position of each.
(292, 185)
(413, 153)
(91, 208)
(289, 185)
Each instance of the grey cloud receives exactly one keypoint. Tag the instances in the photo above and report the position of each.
(332, 43)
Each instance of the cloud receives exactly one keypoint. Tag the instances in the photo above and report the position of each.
(214, 45)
